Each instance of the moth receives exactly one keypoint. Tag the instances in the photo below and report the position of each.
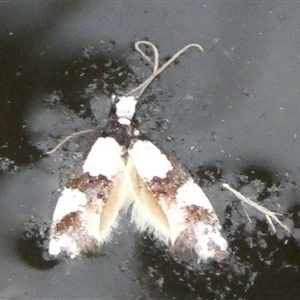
(125, 170)
(122, 170)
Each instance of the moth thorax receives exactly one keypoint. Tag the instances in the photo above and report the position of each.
(125, 109)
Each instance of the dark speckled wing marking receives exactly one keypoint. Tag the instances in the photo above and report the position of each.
(89, 205)
(174, 208)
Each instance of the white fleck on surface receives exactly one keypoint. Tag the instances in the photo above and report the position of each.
(191, 194)
(69, 201)
(149, 160)
(126, 107)
(104, 158)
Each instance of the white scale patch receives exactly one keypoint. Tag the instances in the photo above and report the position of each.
(63, 242)
(149, 161)
(125, 108)
(191, 194)
(104, 158)
(69, 201)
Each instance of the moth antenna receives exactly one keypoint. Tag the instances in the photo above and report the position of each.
(155, 51)
(71, 136)
(138, 91)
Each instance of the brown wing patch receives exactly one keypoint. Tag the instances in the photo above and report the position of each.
(97, 187)
(71, 222)
(165, 189)
(73, 225)
(86, 228)
(195, 214)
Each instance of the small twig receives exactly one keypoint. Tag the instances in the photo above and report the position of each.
(271, 223)
(247, 215)
(74, 134)
(269, 214)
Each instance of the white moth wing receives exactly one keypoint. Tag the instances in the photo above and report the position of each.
(172, 206)
(88, 207)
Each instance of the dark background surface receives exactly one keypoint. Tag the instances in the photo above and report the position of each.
(234, 110)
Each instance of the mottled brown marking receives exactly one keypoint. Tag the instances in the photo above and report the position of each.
(166, 189)
(74, 226)
(86, 181)
(195, 214)
(92, 206)
(71, 222)
(94, 187)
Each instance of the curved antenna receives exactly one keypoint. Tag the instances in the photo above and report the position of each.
(138, 91)
(74, 134)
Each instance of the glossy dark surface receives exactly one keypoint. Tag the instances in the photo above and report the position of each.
(229, 114)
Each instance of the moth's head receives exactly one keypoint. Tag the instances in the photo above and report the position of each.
(125, 108)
